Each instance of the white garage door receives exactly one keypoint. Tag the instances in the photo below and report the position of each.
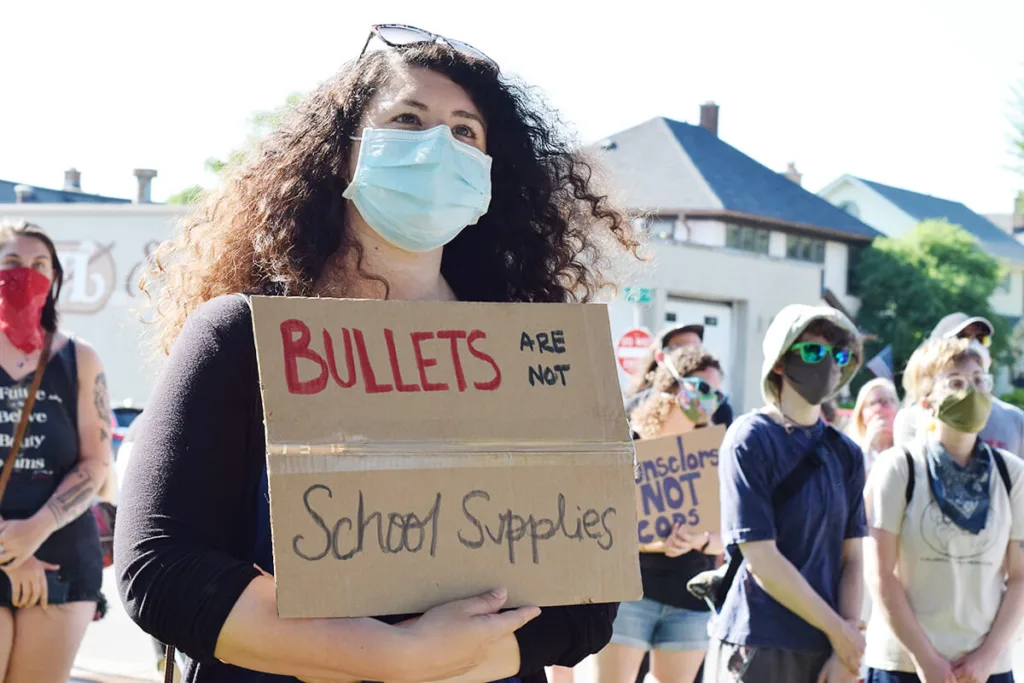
(718, 327)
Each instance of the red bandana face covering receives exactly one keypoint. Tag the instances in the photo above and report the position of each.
(22, 297)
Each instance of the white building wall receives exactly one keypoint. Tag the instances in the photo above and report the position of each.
(756, 287)
(103, 249)
(707, 233)
(837, 272)
(1010, 302)
(872, 208)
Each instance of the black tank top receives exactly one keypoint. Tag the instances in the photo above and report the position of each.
(50, 447)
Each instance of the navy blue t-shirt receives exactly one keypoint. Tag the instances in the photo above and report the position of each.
(809, 529)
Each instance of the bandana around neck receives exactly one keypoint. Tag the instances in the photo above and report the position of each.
(962, 493)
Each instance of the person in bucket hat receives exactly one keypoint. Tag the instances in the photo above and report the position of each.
(790, 606)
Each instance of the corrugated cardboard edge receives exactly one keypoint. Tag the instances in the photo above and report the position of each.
(266, 435)
(602, 359)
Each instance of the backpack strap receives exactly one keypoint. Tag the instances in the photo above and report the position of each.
(1004, 473)
(910, 474)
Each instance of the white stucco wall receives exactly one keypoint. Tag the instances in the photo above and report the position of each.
(837, 272)
(1012, 302)
(874, 210)
(757, 287)
(103, 248)
(708, 233)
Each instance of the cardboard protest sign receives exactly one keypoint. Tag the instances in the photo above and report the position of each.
(420, 452)
(677, 481)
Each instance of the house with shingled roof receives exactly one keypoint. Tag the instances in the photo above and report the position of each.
(71, 193)
(895, 212)
(732, 240)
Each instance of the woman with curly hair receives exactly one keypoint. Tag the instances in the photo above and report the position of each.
(418, 172)
(668, 621)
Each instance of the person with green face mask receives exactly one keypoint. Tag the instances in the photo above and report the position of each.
(944, 561)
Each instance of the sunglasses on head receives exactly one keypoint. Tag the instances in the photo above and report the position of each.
(815, 352)
(704, 388)
(399, 35)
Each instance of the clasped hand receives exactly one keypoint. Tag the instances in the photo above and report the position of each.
(681, 541)
(19, 540)
(452, 639)
(28, 582)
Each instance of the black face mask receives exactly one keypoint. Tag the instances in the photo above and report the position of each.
(813, 381)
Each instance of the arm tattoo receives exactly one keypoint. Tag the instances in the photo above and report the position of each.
(70, 501)
(101, 397)
(103, 435)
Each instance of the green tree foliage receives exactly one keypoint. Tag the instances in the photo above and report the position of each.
(261, 123)
(908, 284)
(190, 195)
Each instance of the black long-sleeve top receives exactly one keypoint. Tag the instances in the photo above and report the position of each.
(187, 522)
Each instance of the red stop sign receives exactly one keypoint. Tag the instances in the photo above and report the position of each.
(631, 348)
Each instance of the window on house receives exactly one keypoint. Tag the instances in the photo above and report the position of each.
(747, 238)
(850, 208)
(661, 227)
(805, 249)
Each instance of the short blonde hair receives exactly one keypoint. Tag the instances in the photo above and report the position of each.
(930, 360)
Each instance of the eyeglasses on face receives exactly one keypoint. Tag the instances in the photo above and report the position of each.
(815, 352)
(981, 381)
(398, 36)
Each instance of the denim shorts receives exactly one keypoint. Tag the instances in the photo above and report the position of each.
(879, 676)
(651, 625)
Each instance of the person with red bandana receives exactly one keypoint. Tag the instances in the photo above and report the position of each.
(51, 561)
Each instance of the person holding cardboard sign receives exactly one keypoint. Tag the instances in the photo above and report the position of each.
(668, 621)
(419, 172)
(792, 516)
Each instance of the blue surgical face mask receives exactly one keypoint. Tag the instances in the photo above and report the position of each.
(418, 189)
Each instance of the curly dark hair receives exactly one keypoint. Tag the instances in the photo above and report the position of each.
(649, 416)
(280, 218)
(9, 231)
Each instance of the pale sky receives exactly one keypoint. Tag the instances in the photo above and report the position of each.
(913, 93)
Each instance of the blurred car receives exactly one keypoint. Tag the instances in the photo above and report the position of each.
(122, 420)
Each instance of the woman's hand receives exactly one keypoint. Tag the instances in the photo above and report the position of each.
(935, 669)
(28, 582)
(835, 671)
(848, 643)
(680, 541)
(20, 539)
(974, 667)
(879, 433)
(452, 639)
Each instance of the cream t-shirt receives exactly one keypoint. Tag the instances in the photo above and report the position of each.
(954, 579)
